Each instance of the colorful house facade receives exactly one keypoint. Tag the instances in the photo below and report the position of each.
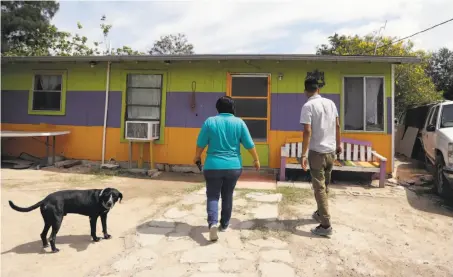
(180, 92)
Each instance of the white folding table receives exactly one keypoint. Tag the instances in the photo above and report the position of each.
(47, 134)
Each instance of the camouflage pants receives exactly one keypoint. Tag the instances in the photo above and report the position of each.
(321, 165)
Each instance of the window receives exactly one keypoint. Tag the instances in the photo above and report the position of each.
(446, 119)
(47, 94)
(364, 104)
(250, 94)
(144, 93)
(433, 119)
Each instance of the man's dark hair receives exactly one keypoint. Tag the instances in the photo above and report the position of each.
(225, 104)
(311, 84)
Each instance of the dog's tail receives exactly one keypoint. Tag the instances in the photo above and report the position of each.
(24, 210)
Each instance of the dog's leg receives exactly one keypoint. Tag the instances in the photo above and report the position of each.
(44, 234)
(104, 226)
(55, 228)
(93, 221)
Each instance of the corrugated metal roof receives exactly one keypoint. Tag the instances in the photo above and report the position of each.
(217, 57)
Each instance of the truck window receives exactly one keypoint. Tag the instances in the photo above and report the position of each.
(446, 118)
(433, 119)
(430, 115)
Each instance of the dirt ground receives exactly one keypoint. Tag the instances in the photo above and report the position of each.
(22, 253)
(395, 231)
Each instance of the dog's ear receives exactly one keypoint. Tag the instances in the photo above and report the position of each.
(121, 197)
(102, 191)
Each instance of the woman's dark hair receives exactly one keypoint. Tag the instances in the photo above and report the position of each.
(225, 104)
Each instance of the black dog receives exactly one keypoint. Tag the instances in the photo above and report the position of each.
(92, 203)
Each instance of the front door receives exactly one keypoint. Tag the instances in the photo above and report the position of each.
(251, 96)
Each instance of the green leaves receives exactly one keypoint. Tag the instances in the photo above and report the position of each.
(440, 68)
(412, 85)
(44, 39)
(172, 45)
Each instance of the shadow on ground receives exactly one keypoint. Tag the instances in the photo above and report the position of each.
(420, 192)
(424, 199)
(78, 242)
(196, 232)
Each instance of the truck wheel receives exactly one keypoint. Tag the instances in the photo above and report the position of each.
(440, 181)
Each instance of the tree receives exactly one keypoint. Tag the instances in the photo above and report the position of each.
(412, 85)
(57, 43)
(172, 45)
(440, 69)
(25, 24)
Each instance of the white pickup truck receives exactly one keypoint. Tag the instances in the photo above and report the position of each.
(437, 139)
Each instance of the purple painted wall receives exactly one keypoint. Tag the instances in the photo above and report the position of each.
(285, 109)
(83, 108)
(389, 116)
(86, 108)
(180, 114)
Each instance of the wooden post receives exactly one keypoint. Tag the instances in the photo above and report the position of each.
(130, 154)
(151, 158)
(140, 159)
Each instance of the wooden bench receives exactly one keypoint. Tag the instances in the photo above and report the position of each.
(357, 156)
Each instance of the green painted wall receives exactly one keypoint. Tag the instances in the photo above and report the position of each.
(209, 76)
(263, 154)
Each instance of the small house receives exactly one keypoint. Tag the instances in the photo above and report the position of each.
(94, 96)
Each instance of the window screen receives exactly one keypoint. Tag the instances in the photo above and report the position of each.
(144, 94)
(251, 107)
(47, 92)
(249, 86)
(257, 128)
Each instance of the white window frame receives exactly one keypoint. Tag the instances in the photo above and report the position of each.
(364, 104)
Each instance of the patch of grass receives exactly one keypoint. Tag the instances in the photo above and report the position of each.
(244, 192)
(291, 197)
(260, 231)
(77, 179)
(194, 188)
(186, 207)
(245, 209)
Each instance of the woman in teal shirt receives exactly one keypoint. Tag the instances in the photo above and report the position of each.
(223, 134)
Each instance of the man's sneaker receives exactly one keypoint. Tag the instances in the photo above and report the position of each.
(223, 228)
(316, 216)
(321, 231)
(213, 233)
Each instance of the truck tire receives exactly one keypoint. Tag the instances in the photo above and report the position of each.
(441, 183)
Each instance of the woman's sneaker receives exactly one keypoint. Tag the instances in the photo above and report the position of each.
(223, 228)
(321, 231)
(213, 233)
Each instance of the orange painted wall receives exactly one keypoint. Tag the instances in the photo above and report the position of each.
(86, 143)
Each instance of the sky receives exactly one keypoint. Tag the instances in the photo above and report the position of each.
(257, 27)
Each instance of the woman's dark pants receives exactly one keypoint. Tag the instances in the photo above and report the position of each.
(220, 183)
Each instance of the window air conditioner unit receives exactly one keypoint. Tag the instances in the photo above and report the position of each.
(142, 130)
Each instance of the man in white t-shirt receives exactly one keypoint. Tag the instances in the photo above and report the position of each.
(321, 136)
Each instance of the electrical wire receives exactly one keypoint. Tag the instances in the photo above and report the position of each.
(414, 34)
